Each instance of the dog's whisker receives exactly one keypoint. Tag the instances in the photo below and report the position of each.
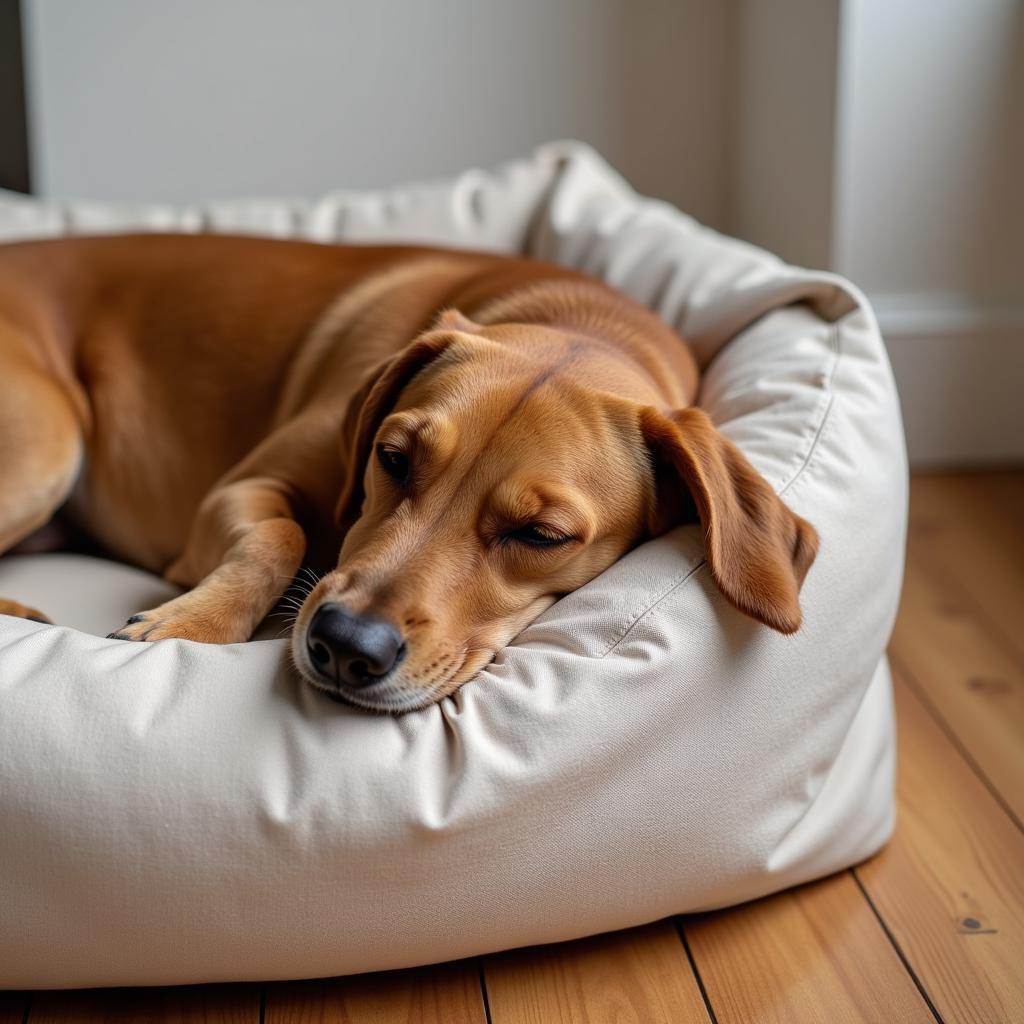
(305, 580)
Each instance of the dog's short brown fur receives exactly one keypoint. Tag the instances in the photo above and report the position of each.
(478, 434)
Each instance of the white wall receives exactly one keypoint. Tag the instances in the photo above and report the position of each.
(782, 127)
(882, 138)
(152, 99)
(885, 140)
(929, 215)
(930, 198)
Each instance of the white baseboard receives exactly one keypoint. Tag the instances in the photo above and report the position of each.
(959, 367)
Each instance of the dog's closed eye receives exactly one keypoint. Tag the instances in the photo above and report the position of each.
(396, 463)
(535, 535)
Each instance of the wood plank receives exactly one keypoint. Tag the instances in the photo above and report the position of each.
(950, 884)
(947, 649)
(187, 1004)
(641, 975)
(961, 527)
(447, 993)
(980, 503)
(13, 1006)
(1003, 490)
(815, 953)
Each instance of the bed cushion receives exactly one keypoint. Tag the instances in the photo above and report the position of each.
(175, 812)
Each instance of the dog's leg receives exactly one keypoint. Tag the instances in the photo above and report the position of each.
(243, 550)
(40, 450)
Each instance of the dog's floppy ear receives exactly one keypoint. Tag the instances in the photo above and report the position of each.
(370, 405)
(757, 549)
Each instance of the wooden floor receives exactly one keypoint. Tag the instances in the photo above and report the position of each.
(930, 929)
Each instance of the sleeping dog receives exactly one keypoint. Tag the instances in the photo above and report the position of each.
(455, 439)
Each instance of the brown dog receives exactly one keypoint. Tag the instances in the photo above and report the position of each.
(478, 435)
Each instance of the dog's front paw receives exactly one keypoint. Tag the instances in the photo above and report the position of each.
(135, 628)
(168, 622)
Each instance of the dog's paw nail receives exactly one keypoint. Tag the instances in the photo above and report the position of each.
(135, 618)
(117, 636)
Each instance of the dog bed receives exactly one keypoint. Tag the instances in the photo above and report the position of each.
(174, 812)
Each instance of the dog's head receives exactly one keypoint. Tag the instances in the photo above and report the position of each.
(498, 470)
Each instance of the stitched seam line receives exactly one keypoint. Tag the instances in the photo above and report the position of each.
(673, 586)
(833, 338)
(834, 344)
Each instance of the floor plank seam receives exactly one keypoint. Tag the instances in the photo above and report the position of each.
(483, 990)
(696, 973)
(921, 693)
(28, 1008)
(899, 950)
(263, 1003)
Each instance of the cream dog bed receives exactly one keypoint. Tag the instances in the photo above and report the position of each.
(174, 812)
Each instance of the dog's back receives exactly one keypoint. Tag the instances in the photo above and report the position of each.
(180, 353)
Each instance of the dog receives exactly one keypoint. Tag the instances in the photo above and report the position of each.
(454, 439)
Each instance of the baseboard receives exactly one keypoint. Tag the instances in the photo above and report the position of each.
(959, 367)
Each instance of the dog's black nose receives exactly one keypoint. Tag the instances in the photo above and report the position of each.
(355, 649)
